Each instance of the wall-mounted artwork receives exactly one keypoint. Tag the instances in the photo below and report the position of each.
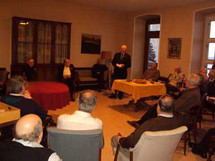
(174, 48)
(90, 44)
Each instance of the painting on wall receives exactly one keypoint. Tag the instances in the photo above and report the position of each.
(90, 44)
(174, 48)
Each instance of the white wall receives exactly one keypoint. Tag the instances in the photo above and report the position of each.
(110, 25)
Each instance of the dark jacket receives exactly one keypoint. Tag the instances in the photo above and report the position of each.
(188, 99)
(14, 151)
(101, 68)
(60, 73)
(26, 106)
(154, 124)
(211, 89)
(30, 73)
(121, 73)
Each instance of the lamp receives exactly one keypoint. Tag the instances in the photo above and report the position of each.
(106, 55)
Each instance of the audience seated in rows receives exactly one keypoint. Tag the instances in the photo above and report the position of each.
(67, 76)
(81, 119)
(189, 98)
(152, 73)
(26, 143)
(165, 120)
(98, 72)
(30, 71)
(175, 80)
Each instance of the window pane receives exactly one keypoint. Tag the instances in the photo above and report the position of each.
(29, 31)
(58, 34)
(40, 53)
(212, 29)
(47, 54)
(41, 32)
(48, 33)
(154, 27)
(211, 51)
(29, 51)
(64, 34)
(21, 31)
(21, 52)
(153, 51)
(209, 66)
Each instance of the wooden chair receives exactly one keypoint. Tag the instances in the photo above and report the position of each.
(152, 146)
(190, 120)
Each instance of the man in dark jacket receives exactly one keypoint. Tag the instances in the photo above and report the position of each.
(189, 98)
(165, 120)
(67, 76)
(30, 70)
(121, 63)
(26, 143)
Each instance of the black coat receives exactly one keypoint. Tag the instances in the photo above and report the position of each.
(211, 89)
(60, 74)
(121, 73)
(30, 73)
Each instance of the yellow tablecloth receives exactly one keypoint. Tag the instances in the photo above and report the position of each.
(138, 91)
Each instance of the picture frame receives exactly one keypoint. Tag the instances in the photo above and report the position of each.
(90, 44)
(174, 48)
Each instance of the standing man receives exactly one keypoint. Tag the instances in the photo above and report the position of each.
(121, 62)
(30, 70)
(67, 76)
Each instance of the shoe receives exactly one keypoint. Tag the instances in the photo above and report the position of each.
(112, 96)
(133, 124)
(197, 152)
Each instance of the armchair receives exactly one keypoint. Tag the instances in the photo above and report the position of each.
(152, 146)
(76, 145)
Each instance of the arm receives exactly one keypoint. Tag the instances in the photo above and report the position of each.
(128, 62)
(114, 61)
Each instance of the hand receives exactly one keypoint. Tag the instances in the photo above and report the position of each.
(122, 65)
(118, 65)
(118, 137)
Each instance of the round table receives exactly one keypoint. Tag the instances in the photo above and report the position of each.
(50, 95)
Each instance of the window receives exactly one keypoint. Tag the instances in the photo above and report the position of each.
(152, 42)
(47, 42)
(209, 43)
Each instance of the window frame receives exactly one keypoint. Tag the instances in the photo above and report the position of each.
(15, 25)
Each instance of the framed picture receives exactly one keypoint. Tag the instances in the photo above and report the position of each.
(90, 44)
(174, 48)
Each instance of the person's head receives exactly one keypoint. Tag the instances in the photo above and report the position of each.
(66, 62)
(165, 104)
(211, 74)
(203, 71)
(123, 48)
(177, 69)
(154, 66)
(16, 84)
(99, 61)
(87, 101)
(192, 81)
(29, 128)
(31, 62)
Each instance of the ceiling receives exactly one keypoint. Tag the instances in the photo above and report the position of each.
(130, 6)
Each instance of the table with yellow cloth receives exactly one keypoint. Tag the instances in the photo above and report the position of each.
(137, 90)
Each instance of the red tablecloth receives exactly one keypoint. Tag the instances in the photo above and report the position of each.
(50, 95)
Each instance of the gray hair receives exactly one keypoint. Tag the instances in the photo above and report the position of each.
(33, 136)
(87, 100)
(193, 79)
(15, 84)
(166, 103)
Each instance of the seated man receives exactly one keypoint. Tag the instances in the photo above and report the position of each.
(175, 80)
(16, 87)
(98, 72)
(165, 120)
(211, 84)
(67, 76)
(203, 80)
(188, 99)
(152, 73)
(82, 118)
(26, 143)
(30, 71)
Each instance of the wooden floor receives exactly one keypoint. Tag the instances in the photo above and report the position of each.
(114, 113)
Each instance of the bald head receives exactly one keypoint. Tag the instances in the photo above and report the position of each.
(153, 66)
(67, 62)
(123, 48)
(29, 128)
